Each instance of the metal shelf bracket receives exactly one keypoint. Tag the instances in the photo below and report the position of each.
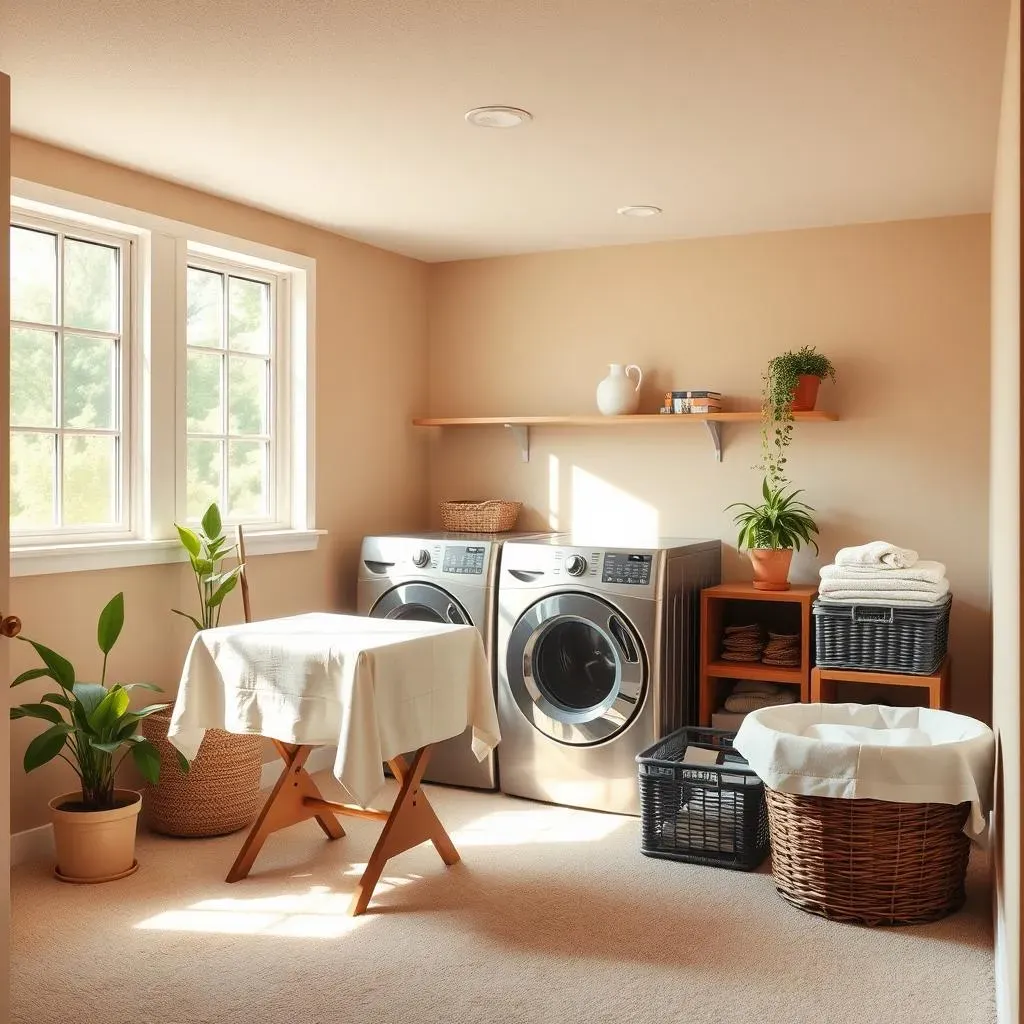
(522, 438)
(715, 430)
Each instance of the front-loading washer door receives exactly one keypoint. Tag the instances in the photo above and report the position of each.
(576, 668)
(423, 602)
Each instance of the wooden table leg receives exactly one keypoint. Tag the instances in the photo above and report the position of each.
(285, 806)
(412, 821)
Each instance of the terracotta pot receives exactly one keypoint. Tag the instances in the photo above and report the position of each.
(771, 567)
(805, 394)
(95, 846)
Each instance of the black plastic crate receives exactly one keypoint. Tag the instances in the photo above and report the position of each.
(704, 814)
(881, 638)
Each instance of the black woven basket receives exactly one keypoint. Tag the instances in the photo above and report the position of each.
(703, 814)
(881, 638)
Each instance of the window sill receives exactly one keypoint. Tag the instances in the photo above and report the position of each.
(41, 560)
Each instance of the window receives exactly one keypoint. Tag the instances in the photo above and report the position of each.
(156, 367)
(70, 345)
(231, 338)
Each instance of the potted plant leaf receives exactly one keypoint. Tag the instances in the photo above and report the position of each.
(221, 792)
(772, 531)
(790, 384)
(92, 728)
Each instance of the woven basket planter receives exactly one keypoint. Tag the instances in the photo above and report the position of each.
(870, 862)
(219, 794)
(493, 516)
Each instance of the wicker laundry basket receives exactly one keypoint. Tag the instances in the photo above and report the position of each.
(494, 516)
(219, 794)
(871, 862)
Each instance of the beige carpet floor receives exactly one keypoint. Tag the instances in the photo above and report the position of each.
(553, 915)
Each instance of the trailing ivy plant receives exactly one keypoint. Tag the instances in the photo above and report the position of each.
(779, 381)
(90, 724)
(207, 550)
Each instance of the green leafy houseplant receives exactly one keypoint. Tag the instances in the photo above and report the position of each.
(90, 724)
(207, 549)
(779, 382)
(780, 522)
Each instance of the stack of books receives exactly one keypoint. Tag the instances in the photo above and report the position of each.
(692, 401)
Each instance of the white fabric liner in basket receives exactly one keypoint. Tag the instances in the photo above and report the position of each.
(873, 752)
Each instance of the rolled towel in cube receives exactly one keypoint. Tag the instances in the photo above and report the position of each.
(879, 553)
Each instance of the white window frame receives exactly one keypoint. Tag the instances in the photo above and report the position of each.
(126, 425)
(278, 407)
(161, 251)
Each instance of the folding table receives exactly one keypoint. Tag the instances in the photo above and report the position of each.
(375, 688)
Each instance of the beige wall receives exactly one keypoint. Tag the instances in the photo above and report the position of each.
(902, 309)
(1006, 531)
(371, 369)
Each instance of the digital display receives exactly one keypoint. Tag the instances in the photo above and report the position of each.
(625, 568)
(464, 561)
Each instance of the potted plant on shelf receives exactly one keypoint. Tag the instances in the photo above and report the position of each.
(91, 726)
(772, 531)
(789, 384)
(221, 792)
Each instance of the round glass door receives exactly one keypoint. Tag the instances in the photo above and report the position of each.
(422, 602)
(576, 668)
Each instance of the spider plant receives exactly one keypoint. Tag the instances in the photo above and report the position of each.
(781, 522)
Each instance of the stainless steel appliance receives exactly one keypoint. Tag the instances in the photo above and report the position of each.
(598, 657)
(438, 577)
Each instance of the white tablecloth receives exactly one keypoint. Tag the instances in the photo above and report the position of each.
(375, 687)
(871, 751)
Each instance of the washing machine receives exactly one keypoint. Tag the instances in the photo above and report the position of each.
(598, 657)
(439, 577)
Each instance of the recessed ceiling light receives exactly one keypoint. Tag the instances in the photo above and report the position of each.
(498, 117)
(639, 211)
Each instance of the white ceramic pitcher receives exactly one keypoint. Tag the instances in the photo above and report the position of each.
(617, 395)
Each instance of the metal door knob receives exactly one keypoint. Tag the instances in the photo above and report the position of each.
(10, 626)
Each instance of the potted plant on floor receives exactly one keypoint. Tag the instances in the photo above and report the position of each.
(790, 384)
(91, 726)
(772, 531)
(221, 792)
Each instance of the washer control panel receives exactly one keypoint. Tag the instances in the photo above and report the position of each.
(620, 567)
(464, 560)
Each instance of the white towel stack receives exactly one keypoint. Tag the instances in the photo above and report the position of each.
(881, 573)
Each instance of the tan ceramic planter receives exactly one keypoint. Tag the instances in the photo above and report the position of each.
(771, 568)
(805, 394)
(95, 846)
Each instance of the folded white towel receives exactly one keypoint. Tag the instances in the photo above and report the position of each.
(895, 598)
(926, 572)
(878, 553)
(879, 586)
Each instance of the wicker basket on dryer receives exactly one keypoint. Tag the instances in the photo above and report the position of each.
(493, 516)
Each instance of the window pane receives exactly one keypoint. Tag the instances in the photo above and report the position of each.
(90, 480)
(249, 315)
(90, 286)
(90, 375)
(202, 476)
(203, 394)
(247, 479)
(32, 356)
(205, 316)
(247, 395)
(33, 461)
(33, 276)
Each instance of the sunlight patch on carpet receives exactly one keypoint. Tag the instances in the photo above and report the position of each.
(545, 825)
(318, 913)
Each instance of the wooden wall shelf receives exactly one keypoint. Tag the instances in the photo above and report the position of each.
(520, 425)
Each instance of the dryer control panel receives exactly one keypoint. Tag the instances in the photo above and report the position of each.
(620, 567)
(464, 560)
